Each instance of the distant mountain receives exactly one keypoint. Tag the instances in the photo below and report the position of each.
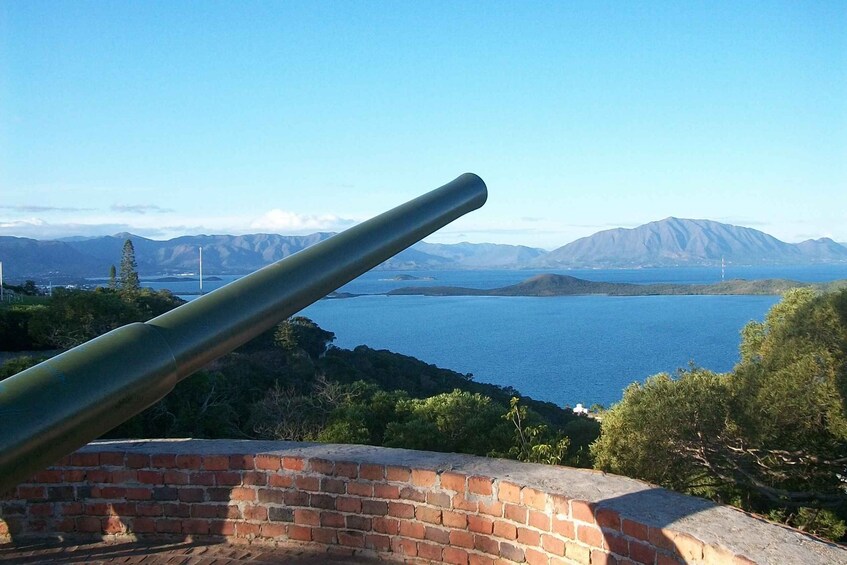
(483, 255)
(675, 241)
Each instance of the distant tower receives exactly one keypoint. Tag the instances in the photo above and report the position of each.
(1, 281)
(201, 269)
(723, 268)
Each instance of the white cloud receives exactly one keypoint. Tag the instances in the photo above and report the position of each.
(278, 220)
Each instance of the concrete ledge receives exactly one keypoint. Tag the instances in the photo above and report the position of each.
(391, 503)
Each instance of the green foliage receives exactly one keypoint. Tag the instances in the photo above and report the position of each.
(771, 436)
(300, 334)
(113, 278)
(17, 364)
(534, 443)
(129, 269)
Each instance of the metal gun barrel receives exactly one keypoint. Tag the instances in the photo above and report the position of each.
(57, 406)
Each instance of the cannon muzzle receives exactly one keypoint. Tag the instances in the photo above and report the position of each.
(56, 407)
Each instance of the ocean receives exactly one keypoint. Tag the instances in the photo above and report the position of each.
(561, 349)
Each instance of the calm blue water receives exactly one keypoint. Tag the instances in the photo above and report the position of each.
(562, 349)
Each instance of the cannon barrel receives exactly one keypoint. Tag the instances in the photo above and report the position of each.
(57, 406)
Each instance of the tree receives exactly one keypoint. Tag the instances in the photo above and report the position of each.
(771, 436)
(302, 334)
(113, 282)
(129, 269)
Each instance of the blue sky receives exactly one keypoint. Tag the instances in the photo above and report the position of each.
(172, 118)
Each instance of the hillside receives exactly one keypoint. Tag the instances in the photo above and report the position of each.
(675, 241)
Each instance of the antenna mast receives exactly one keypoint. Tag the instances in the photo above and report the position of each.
(201, 269)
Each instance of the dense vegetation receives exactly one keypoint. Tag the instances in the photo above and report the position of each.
(770, 437)
(291, 383)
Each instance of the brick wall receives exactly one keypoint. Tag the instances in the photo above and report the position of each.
(395, 503)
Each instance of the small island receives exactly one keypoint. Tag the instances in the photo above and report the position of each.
(409, 278)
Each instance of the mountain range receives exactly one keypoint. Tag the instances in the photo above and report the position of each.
(668, 242)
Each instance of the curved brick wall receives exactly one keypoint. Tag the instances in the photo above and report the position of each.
(398, 504)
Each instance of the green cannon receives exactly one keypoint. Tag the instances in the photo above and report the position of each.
(56, 407)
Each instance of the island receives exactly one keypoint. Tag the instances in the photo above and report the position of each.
(564, 285)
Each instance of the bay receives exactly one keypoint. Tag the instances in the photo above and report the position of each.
(562, 349)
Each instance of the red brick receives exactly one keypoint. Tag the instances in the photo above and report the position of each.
(347, 470)
(348, 504)
(617, 544)
(454, 519)
(168, 526)
(402, 546)
(69, 509)
(461, 503)
(207, 510)
(599, 557)
(325, 535)
(591, 536)
(245, 494)
(508, 492)
(144, 526)
(477, 559)
(529, 537)
(307, 517)
(386, 491)
(462, 539)
(453, 481)
(492, 508)
(534, 498)
(552, 544)
(371, 472)
(242, 462)
(293, 463)
(299, 533)
(662, 559)
(429, 551)
(279, 481)
(186, 461)
(322, 466)
(661, 538)
(561, 504)
(150, 477)
(334, 486)
(535, 557)
(412, 529)
(172, 477)
(642, 553)
(430, 515)
(114, 477)
(158, 460)
(440, 499)
(351, 539)
(564, 528)
(607, 518)
(455, 556)
(111, 459)
(540, 520)
(377, 542)
(74, 475)
(437, 535)
(505, 530)
(401, 510)
(332, 520)
(410, 493)
(423, 478)
(88, 524)
(258, 478)
(399, 474)
(583, 511)
(137, 461)
(356, 522)
(310, 484)
(257, 513)
(480, 485)
(635, 530)
(511, 552)
(374, 507)
(221, 528)
(515, 513)
(191, 494)
(480, 524)
(386, 526)
(247, 530)
(149, 509)
(216, 462)
(360, 489)
(486, 544)
(272, 530)
(197, 527)
(26, 492)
